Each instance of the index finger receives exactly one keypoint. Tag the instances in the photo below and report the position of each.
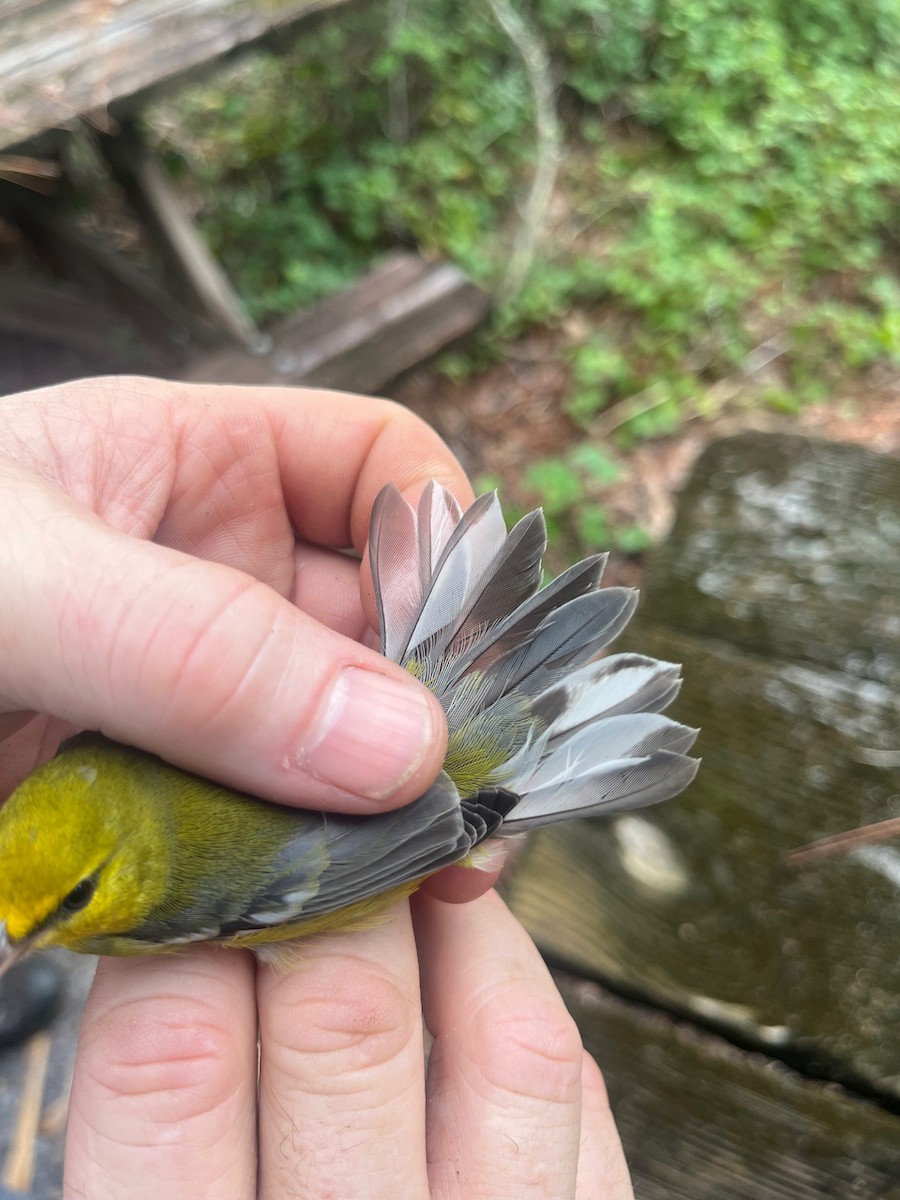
(335, 451)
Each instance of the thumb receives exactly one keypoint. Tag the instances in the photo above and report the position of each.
(203, 665)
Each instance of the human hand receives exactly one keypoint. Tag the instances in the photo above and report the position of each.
(165, 1095)
(144, 518)
(171, 579)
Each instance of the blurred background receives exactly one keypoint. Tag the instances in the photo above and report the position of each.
(638, 263)
(684, 214)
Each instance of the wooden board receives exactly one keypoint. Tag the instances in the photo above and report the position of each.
(63, 58)
(789, 548)
(394, 318)
(192, 269)
(52, 331)
(702, 1120)
(57, 312)
(694, 903)
(105, 276)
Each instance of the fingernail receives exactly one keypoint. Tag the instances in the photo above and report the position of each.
(372, 734)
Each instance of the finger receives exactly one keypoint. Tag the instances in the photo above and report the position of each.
(226, 472)
(504, 1075)
(207, 670)
(337, 451)
(164, 1095)
(326, 587)
(201, 664)
(459, 885)
(333, 452)
(602, 1170)
(22, 751)
(342, 1092)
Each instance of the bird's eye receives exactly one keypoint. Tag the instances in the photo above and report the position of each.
(79, 897)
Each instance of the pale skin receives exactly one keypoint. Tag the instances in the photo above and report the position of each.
(213, 634)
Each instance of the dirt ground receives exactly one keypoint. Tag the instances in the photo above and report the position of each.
(511, 415)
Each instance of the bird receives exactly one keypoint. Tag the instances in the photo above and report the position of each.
(107, 849)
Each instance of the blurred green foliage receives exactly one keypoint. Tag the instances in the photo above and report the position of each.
(367, 135)
(724, 202)
(571, 488)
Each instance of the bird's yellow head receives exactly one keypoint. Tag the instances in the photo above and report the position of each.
(71, 869)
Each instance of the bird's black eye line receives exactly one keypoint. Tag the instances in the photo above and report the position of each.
(79, 897)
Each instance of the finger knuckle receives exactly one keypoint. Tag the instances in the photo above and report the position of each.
(428, 457)
(341, 1027)
(175, 1059)
(536, 1047)
(209, 664)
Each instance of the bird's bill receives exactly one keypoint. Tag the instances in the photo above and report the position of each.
(11, 952)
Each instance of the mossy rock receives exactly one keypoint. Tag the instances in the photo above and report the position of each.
(780, 593)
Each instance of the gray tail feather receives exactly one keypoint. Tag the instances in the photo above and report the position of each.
(617, 787)
(624, 761)
(497, 641)
(461, 597)
(567, 636)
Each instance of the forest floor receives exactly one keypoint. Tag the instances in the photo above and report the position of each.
(500, 421)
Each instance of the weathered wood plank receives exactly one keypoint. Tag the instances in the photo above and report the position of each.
(701, 1120)
(77, 255)
(50, 332)
(191, 267)
(57, 312)
(694, 903)
(403, 312)
(63, 58)
(789, 548)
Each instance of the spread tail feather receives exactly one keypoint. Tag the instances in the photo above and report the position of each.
(532, 711)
